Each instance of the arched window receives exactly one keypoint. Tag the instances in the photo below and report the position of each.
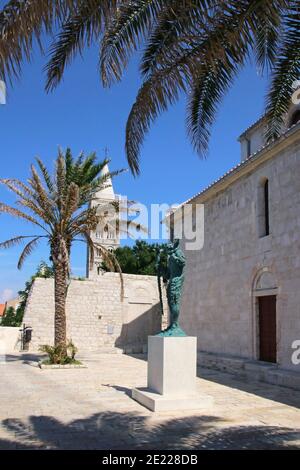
(295, 118)
(263, 213)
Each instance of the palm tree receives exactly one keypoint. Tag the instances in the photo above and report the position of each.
(192, 47)
(60, 208)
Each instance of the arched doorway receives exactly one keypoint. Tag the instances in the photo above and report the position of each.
(265, 291)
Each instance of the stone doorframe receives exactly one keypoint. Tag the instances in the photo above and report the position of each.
(264, 283)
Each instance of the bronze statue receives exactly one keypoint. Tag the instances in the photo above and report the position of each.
(173, 276)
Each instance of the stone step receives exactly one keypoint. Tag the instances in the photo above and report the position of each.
(135, 349)
(250, 369)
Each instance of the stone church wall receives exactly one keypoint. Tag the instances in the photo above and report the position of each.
(219, 302)
(97, 319)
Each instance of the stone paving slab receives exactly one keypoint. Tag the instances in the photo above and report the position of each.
(91, 409)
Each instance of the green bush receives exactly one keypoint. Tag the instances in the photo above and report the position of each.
(138, 259)
(12, 317)
(60, 354)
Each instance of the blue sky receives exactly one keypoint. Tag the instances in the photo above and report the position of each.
(83, 115)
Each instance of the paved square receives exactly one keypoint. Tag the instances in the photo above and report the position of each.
(91, 409)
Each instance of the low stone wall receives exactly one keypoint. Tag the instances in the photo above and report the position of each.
(9, 339)
(250, 370)
(97, 319)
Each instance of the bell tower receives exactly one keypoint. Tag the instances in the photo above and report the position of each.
(105, 233)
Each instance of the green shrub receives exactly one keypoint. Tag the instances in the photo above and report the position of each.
(60, 354)
(11, 318)
(71, 349)
(138, 259)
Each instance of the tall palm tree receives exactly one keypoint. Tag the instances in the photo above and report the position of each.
(192, 47)
(59, 207)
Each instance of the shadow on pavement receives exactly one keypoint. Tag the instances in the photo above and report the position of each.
(25, 358)
(111, 430)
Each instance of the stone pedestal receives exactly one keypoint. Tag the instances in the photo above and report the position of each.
(172, 372)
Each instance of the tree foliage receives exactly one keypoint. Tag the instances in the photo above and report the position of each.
(138, 259)
(59, 208)
(191, 47)
(10, 318)
(14, 317)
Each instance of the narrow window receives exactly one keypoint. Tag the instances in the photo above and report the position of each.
(171, 227)
(266, 201)
(248, 147)
(171, 234)
(263, 205)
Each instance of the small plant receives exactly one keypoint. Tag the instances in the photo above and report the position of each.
(71, 349)
(60, 354)
(9, 318)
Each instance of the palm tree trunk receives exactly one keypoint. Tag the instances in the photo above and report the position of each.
(60, 294)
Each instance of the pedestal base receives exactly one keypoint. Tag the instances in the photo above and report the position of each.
(156, 402)
(172, 372)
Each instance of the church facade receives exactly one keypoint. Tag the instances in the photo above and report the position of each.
(241, 293)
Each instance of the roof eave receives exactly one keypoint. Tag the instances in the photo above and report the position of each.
(252, 127)
(262, 155)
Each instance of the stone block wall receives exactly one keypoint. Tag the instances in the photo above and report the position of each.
(219, 303)
(97, 319)
(10, 339)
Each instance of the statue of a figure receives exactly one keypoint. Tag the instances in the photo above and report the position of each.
(173, 276)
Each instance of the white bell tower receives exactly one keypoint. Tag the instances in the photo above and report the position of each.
(105, 233)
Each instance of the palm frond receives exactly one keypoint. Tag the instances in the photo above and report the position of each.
(79, 30)
(17, 186)
(124, 34)
(14, 187)
(86, 220)
(20, 22)
(60, 180)
(28, 202)
(69, 165)
(41, 196)
(37, 211)
(177, 23)
(91, 247)
(154, 97)
(204, 99)
(226, 45)
(88, 191)
(28, 249)
(72, 202)
(14, 241)
(268, 29)
(60, 173)
(286, 71)
(45, 174)
(19, 214)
